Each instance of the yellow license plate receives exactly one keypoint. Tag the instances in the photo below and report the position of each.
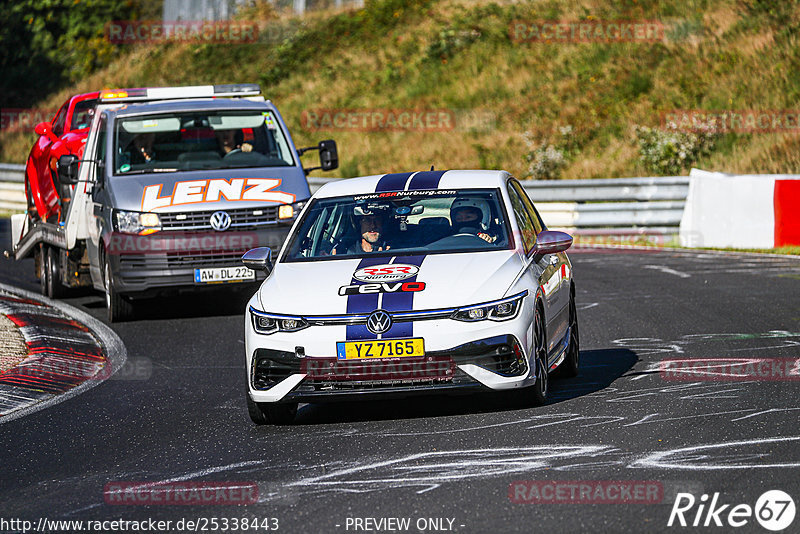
(380, 348)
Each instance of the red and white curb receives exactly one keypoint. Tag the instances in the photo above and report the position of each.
(69, 352)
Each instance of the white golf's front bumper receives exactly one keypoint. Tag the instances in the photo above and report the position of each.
(459, 357)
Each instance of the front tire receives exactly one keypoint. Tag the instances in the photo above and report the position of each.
(571, 364)
(541, 387)
(268, 413)
(119, 308)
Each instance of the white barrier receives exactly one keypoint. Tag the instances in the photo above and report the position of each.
(733, 211)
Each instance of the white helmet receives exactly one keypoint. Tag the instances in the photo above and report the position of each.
(477, 203)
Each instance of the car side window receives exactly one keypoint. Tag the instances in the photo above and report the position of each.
(60, 121)
(82, 114)
(538, 224)
(523, 219)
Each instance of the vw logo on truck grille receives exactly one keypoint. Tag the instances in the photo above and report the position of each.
(379, 322)
(220, 221)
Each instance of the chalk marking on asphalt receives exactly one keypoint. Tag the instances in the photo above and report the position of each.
(667, 270)
(652, 417)
(682, 458)
(112, 345)
(587, 306)
(429, 469)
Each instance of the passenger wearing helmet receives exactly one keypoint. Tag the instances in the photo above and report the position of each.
(472, 216)
(371, 229)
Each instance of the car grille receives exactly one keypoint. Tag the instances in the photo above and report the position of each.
(330, 373)
(174, 260)
(199, 220)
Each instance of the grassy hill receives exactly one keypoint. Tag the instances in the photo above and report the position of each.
(585, 101)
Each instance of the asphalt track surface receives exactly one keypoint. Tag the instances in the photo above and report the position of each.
(183, 416)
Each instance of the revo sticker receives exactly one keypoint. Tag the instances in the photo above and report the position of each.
(390, 272)
(384, 287)
(214, 190)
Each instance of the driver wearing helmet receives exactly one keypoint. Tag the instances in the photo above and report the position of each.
(472, 216)
(371, 228)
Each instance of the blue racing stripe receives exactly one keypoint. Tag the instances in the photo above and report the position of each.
(426, 180)
(362, 303)
(401, 301)
(393, 182)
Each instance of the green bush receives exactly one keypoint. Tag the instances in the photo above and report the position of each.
(668, 152)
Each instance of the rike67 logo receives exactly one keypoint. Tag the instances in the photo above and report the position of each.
(774, 510)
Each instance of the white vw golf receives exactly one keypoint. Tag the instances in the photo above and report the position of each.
(396, 284)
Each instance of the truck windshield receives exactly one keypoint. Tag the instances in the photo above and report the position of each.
(199, 140)
(401, 222)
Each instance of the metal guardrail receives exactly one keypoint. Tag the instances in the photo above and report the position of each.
(648, 205)
(12, 187)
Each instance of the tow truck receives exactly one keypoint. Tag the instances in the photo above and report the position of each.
(175, 184)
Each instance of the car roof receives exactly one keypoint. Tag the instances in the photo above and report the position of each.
(198, 104)
(456, 179)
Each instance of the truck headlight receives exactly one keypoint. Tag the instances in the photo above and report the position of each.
(268, 323)
(290, 211)
(497, 310)
(134, 222)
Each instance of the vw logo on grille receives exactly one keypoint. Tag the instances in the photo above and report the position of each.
(379, 322)
(220, 221)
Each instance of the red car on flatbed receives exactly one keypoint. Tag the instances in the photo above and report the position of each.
(65, 134)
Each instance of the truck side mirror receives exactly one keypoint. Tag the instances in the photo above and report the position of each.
(258, 259)
(68, 169)
(328, 155)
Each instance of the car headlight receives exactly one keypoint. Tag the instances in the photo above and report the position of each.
(134, 222)
(269, 323)
(497, 310)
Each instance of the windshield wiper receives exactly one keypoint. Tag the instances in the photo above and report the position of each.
(146, 171)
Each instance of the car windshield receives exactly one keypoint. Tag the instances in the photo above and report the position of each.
(199, 140)
(401, 222)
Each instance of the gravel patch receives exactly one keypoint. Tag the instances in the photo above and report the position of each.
(12, 345)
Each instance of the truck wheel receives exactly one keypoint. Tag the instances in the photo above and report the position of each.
(41, 269)
(267, 413)
(51, 281)
(119, 307)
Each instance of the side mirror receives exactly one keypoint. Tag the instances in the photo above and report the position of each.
(45, 128)
(68, 169)
(551, 242)
(258, 259)
(42, 128)
(328, 155)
